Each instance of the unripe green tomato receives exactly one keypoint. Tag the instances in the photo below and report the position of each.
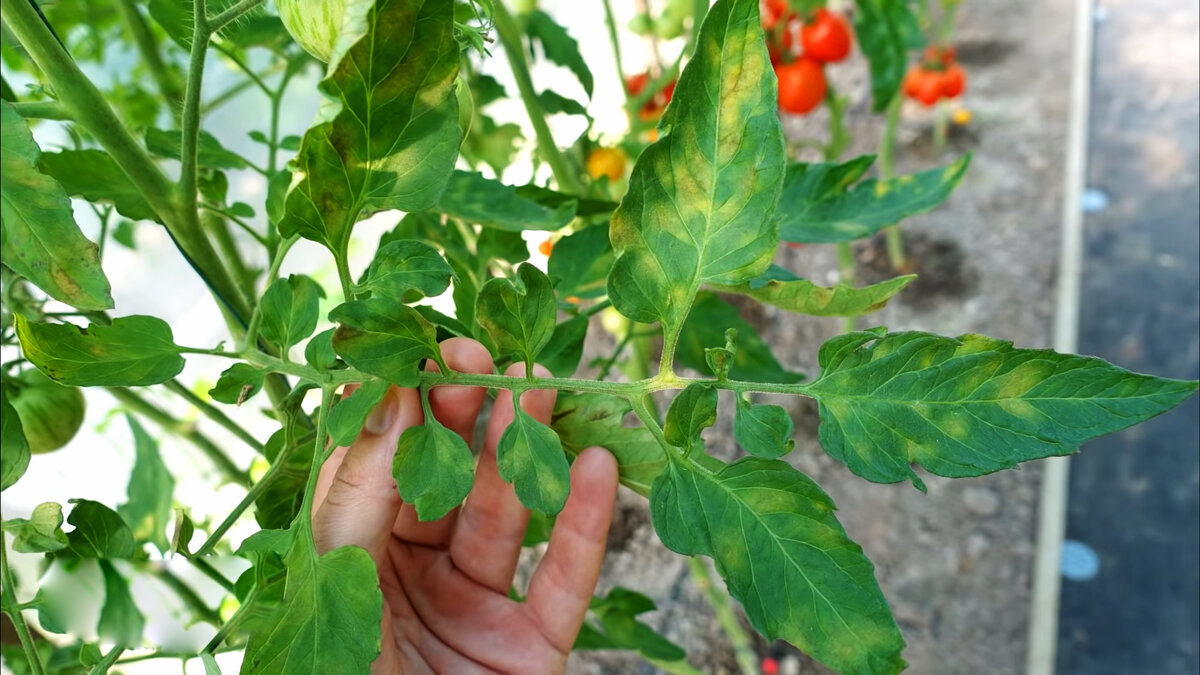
(524, 6)
(641, 24)
(50, 413)
(313, 23)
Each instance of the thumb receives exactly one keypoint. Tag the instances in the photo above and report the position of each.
(361, 501)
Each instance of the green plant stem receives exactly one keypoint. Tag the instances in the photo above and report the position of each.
(887, 149)
(243, 225)
(102, 666)
(216, 224)
(252, 496)
(211, 572)
(191, 108)
(185, 593)
(510, 39)
(746, 658)
(303, 524)
(87, 106)
(233, 623)
(215, 414)
(941, 125)
(187, 431)
(42, 110)
(12, 608)
(148, 48)
(216, 23)
(610, 21)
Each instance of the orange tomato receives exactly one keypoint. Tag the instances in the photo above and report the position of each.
(801, 85)
(606, 162)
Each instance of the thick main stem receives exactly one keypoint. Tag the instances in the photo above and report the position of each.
(14, 611)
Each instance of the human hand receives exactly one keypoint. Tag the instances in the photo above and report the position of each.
(445, 583)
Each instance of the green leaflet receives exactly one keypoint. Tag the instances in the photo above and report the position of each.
(773, 536)
(393, 143)
(319, 351)
(433, 468)
(559, 47)
(530, 456)
(15, 458)
(584, 420)
(886, 30)
(384, 338)
(277, 505)
(99, 532)
(692, 410)
(617, 627)
(348, 415)
(817, 208)
(148, 511)
(701, 199)
(520, 315)
(120, 620)
(329, 619)
(971, 405)
(237, 384)
(563, 351)
(763, 430)
(41, 533)
(290, 309)
(579, 262)
(407, 270)
(41, 240)
(705, 328)
(474, 199)
(132, 351)
(96, 176)
(804, 297)
(209, 151)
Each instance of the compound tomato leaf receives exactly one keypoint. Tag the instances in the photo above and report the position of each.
(290, 309)
(95, 176)
(407, 270)
(99, 532)
(237, 384)
(773, 536)
(886, 31)
(133, 351)
(433, 468)
(701, 199)
(763, 430)
(584, 420)
(970, 405)
(706, 328)
(384, 338)
(394, 142)
(15, 458)
(693, 410)
(328, 620)
(148, 511)
(804, 297)
(824, 211)
(519, 315)
(619, 628)
(41, 240)
(41, 533)
(482, 201)
(120, 620)
(348, 415)
(530, 456)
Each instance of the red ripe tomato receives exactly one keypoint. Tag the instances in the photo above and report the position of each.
(801, 85)
(954, 81)
(654, 107)
(826, 38)
(943, 55)
(771, 11)
(927, 87)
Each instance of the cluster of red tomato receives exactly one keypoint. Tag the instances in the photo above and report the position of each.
(823, 38)
(937, 76)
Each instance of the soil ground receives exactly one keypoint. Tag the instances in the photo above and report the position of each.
(954, 563)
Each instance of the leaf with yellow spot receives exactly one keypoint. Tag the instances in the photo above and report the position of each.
(818, 205)
(772, 533)
(701, 199)
(785, 290)
(971, 405)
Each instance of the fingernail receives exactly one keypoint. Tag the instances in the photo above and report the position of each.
(383, 416)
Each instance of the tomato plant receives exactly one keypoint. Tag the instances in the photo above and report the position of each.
(406, 129)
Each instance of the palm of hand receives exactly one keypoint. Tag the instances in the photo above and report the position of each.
(445, 583)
